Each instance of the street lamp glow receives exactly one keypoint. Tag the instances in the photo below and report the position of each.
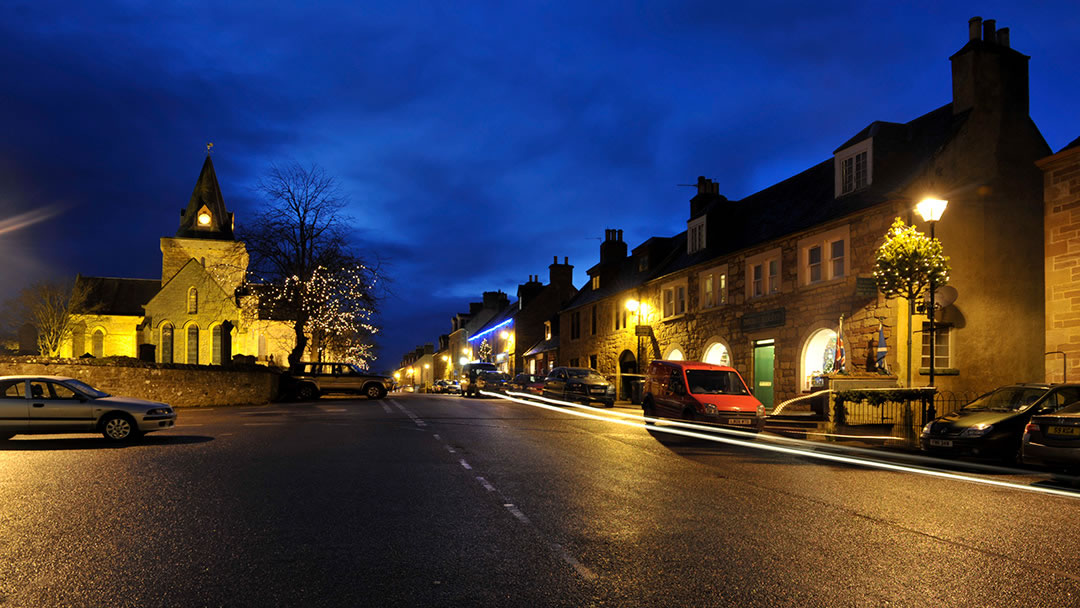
(632, 305)
(504, 335)
(427, 366)
(204, 219)
(931, 209)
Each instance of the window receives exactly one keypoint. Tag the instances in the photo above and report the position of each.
(942, 347)
(592, 361)
(193, 344)
(575, 325)
(853, 167)
(592, 328)
(643, 263)
(823, 257)
(596, 282)
(674, 298)
(713, 288)
(97, 343)
(547, 330)
(695, 235)
(192, 301)
(167, 344)
(573, 363)
(621, 314)
(763, 274)
(215, 356)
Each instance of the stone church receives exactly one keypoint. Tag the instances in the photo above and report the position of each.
(200, 312)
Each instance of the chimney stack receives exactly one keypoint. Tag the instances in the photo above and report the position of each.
(613, 248)
(988, 75)
(989, 33)
(974, 28)
(1003, 37)
(561, 275)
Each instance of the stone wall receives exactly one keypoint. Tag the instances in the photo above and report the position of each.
(1062, 241)
(177, 385)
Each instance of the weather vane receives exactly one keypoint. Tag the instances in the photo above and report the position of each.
(209, 145)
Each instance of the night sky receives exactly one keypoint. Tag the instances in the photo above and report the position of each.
(475, 140)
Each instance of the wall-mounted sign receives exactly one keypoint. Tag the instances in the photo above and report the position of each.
(643, 330)
(865, 287)
(762, 320)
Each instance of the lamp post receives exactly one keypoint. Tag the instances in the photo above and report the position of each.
(931, 209)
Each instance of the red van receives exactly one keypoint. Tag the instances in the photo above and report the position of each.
(701, 392)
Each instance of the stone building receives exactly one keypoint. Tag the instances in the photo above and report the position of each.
(1061, 189)
(200, 311)
(763, 282)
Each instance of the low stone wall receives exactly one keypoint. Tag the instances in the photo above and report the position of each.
(177, 385)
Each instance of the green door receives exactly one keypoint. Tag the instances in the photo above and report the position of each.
(763, 373)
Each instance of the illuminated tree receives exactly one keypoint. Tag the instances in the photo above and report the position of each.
(485, 350)
(300, 246)
(48, 308)
(908, 262)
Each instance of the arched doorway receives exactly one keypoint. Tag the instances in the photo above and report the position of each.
(818, 353)
(97, 343)
(717, 353)
(675, 354)
(628, 373)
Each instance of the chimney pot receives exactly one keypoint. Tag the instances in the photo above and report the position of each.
(620, 235)
(566, 260)
(1003, 37)
(989, 26)
(556, 260)
(974, 28)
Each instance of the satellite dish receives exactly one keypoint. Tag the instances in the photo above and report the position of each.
(945, 295)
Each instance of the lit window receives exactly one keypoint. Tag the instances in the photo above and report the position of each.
(192, 301)
(942, 346)
(695, 235)
(596, 283)
(713, 289)
(674, 298)
(823, 257)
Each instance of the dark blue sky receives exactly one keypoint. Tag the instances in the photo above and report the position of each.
(475, 140)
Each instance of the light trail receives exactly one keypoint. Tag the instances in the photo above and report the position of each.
(768, 447)
(28, 218)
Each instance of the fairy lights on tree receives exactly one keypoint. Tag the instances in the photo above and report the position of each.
(908, 262)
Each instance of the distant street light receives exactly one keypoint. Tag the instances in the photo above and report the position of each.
(931, 210)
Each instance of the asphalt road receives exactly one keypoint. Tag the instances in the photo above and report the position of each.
(422, 500)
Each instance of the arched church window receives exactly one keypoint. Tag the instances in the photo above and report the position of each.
(192, 301)
(167, 343)
(97, 343)
(193, 344)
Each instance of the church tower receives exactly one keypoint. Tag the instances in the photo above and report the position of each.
(206, 235)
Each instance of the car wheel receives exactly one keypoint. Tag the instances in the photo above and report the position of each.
(609, 403)
(648, 410)
(307, 392)
(375, 392)
(119, 428)
(689, 415)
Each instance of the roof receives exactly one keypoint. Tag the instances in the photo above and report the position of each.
(207, 193)
(1074, 144)
(901, 152)
(112, 296)
(506, 317)
(543, 346)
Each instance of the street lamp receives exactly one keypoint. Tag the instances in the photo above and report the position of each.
(931, 209)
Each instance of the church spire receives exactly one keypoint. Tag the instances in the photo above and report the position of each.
(205, 216)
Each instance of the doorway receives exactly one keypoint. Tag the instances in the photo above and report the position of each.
(764, 360)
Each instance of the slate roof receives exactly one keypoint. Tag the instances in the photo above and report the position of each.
(112, 296)
(543, 346)
(1075, 143)
(507, 314)
(207, 192)
(901, 152)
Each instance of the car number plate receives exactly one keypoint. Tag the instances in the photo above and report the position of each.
(744, 421)
(1072, 431)
(941, 443)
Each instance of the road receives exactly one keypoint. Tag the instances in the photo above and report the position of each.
(428, 500)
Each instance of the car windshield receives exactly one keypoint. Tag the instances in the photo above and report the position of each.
(85, 389)
(585, 374)
(715, 382)
(1007, 399)
(1070, 409)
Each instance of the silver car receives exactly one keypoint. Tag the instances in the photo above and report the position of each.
(56, 404)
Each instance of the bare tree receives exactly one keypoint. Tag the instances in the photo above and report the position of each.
(47, 306)
(299, 246)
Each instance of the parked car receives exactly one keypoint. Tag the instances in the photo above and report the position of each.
(579, 384)
(490, 381)
(468, 377)
(310, 380)
(992, 426)
(453, 387)
(527, 383)
(56, 404)
(440, 386)
(700, 392)
(1053, 440)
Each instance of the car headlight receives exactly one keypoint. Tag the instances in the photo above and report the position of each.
(710, 409)
(926, 429)
(761, 411)
(158, 411)
(978, 430)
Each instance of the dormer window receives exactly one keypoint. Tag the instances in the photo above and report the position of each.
(695, 235)
(853, 168)
(596, 282)
(204, 218)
